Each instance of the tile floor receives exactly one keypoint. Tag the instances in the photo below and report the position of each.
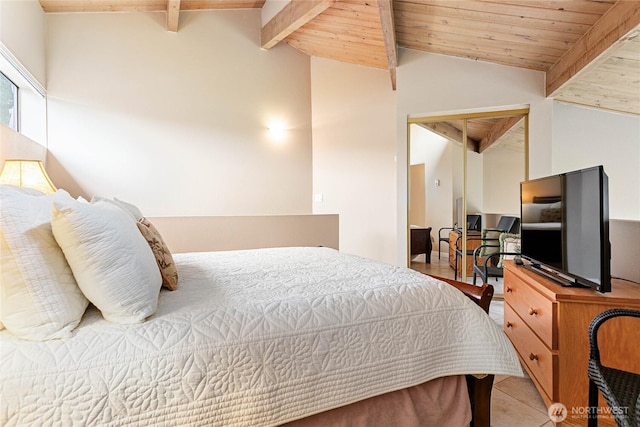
(515, 401)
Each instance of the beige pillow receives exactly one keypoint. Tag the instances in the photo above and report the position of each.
(161, 251)
(551, 215)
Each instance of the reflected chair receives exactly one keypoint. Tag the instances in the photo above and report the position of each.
(483, 256)
(508, 224)
(486, 266)
(473, 223)
(620, 389)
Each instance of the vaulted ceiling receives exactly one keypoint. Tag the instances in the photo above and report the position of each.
(589, 50)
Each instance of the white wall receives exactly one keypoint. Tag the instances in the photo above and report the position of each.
(14, 145)
(177, 122)
(503, 172)
(22, 31)
(436, 154)
(430, 84)
(443, 162)
(22, 34)
(584, 137)
(354, 164)
(475, 184)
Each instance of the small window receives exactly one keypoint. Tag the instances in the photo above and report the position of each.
(8, 102)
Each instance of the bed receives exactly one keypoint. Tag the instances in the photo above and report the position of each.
(262, 337)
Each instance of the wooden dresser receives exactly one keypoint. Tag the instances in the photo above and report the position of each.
(548, 325)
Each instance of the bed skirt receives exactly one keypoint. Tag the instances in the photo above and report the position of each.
(439, 402)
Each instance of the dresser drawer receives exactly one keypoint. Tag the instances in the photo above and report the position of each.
(536, 310)
(541, 362)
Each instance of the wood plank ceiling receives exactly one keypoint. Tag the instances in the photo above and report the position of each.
(588, 49)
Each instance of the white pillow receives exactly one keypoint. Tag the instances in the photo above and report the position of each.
(39, 296)
(131, 209)
(110, 259)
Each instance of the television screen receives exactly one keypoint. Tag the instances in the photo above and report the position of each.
(541, 220)
(565, 227)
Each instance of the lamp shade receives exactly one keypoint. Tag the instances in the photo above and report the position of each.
(28, 174)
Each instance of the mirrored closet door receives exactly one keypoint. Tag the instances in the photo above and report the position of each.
(465, 173)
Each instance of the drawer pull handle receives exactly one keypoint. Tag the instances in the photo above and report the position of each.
(509, 325)
(509, 290)
(533, 356)
(533, 312)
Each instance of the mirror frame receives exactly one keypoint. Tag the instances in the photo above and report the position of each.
(464, 117)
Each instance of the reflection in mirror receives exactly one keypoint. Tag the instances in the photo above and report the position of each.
(449, 186)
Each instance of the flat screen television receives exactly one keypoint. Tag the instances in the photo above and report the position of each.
(565, 227)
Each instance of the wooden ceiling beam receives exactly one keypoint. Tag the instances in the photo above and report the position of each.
(498, 131)
(608, 32)
(293, 16)
(221, 4)
(451, 133)
(173, 15)
(389, 36)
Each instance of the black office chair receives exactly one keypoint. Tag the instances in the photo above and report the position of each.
(508, 224)
(484, 255)
(486, 266)
(443, 239)
(473, 223)
(620, 389)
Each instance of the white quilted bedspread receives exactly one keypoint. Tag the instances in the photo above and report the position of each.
(252, 338)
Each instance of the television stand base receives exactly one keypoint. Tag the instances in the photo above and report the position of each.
(553, 276)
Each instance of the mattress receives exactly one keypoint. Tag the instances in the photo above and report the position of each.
(254, 337)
